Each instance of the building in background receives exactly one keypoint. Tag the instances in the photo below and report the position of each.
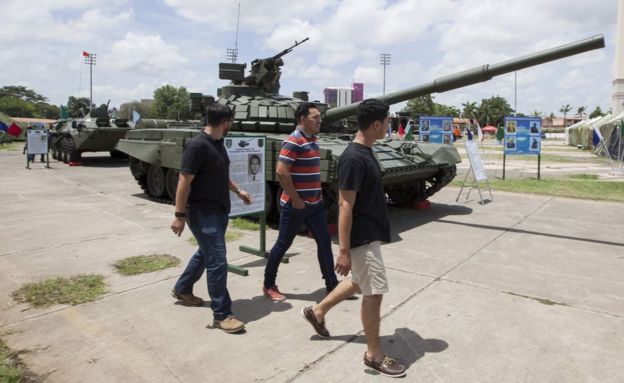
(335, 96)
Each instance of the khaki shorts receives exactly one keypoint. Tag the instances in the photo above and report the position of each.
(368, 270)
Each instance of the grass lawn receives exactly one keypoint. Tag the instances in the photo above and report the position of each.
(583, 186)
(145, 263)
(74, 290)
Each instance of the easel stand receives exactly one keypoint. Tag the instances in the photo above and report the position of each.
(477, 170)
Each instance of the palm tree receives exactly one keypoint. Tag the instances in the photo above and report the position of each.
(537, 114)
(469, 109)
(581, 111)
(565, 109)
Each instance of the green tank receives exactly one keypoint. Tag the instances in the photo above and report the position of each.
(96, 132)
(412, 171)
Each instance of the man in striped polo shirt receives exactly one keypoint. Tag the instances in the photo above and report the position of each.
(299, 173)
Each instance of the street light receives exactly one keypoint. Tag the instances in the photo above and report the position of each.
(89, 59)
(385, 60)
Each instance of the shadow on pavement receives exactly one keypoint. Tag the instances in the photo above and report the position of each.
(520, 231)
(405, 219)
(405, 345)
(256, 308)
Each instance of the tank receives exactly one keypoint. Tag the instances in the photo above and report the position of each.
(96, 132)
(412, 171)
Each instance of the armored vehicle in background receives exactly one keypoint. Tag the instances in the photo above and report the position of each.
(412, 171)
(96, 132)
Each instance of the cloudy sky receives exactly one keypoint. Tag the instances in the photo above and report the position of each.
(141, 45)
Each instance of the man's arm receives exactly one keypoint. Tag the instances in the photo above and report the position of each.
(285, 180)
(242, 194)
(182, 193)
(346, 200)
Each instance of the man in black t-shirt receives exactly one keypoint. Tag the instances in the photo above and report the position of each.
(363, 224)
(203, 199)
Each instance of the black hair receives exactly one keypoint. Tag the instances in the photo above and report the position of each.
(371, 110)
(217, 113)
(303, 110)
(254, 156)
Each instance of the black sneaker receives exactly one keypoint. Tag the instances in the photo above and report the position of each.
(387, 366)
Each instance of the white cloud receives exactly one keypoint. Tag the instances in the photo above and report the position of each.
(144, 54)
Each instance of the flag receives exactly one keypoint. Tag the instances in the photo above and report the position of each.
(3, 127)
(500, 133)
(135, 116)
(14, 130)
(64, 112)
(85, 54)
(469, 134)
(479, 132)
(597, 137)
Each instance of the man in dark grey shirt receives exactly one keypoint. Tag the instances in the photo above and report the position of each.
(363, 225)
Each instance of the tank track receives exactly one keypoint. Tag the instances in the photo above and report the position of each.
(436, 182)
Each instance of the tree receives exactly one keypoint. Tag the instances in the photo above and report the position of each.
(77, 106)
(493, 110)
(469, 109)
(565, 109)
(125, 110)
(536, 114)
(22, 93)
(596, 113)
(16, 107)
(580, 112)
(45, 110)
(171, 103)
(420, 105)
(445, 110)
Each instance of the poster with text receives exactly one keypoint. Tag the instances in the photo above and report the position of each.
(436, 130)
(522, 135)
(247, 170)
(37, 141)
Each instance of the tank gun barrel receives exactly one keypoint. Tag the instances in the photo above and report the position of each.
(476, 75)
(288, 50)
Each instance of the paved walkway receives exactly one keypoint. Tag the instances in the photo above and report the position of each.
(524, 289)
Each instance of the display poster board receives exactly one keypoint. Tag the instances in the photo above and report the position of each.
(475, 160)
(37, 141)
(522, 135)
(436, 130)
(247, 170)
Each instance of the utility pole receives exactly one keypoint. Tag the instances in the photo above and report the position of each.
(90, 60)
(384, 60)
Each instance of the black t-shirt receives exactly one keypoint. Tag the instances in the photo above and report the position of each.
(358, 170)
(208, 160)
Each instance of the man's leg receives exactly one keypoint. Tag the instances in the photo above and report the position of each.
(194, 270)
(290, 221)
(370, 314)
(318, 226)
(209, 230)
(343, 290)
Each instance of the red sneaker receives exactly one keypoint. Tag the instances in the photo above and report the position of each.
(273, 294)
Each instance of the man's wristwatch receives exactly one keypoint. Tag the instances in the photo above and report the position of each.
(180, 214)
(237, 191)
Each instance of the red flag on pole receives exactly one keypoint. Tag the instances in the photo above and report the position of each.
(85, 53)
(14, 130)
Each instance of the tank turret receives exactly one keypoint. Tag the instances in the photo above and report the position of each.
(413, 171)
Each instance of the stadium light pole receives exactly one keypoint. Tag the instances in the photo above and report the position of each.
(89, 59)
(385, 61)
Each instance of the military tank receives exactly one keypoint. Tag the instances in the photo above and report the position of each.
(412, 171)
(95, 132)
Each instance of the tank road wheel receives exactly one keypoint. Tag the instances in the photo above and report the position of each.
(138, 169)
(74, 154)
(54, 153)
(156, 181)
(171, 183)
(403, 194)
(64, 150)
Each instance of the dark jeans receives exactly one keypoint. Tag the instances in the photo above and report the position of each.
(290, 222)
(208, 228)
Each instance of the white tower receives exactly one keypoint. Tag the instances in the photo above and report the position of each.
(618, 73)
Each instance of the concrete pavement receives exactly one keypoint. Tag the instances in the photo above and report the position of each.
(527, 288)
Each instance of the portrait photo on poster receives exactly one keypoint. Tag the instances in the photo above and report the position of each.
(254, 167)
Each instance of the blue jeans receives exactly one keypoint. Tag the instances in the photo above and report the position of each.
(290, 222)
(208, 228)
